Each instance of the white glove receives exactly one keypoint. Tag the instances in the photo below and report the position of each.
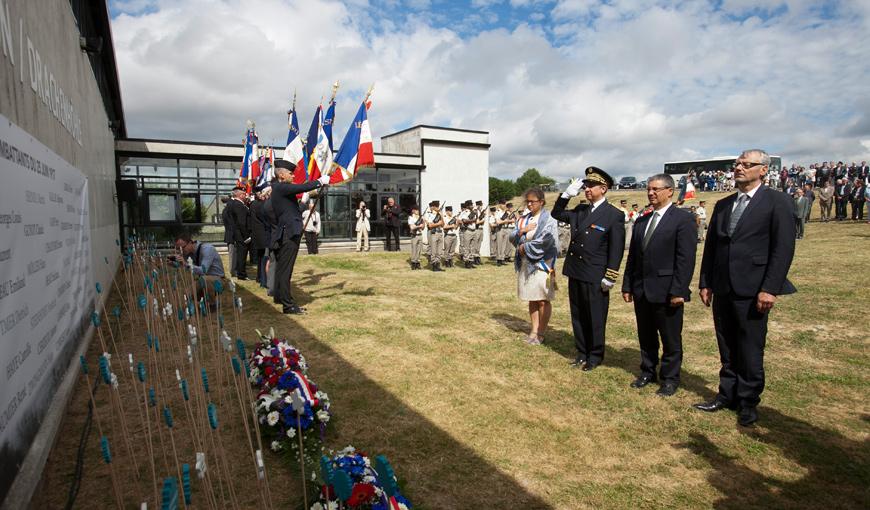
(324, 180)
(304, 198)
(573, 189)
(606, 285)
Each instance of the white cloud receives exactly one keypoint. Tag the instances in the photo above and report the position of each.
(633, 86)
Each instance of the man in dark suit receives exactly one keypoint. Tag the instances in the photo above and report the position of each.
(856, 197)
(661, 260)
(259, 241)
(288, 231)
(749, 249)
(841, 197)
(592, 263)
(239, 217)
(228, 232)
(392, 222)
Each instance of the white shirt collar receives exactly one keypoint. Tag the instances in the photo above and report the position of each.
(750, 193)
(661, 212)
(599, 202)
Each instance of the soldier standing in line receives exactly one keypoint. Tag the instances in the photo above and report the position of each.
(492, 223)
(451, 226)
(416, 224)
(468, 224)
(478, 232)
(500, 233)
(435, 223)
(623, 207)
(512, 221)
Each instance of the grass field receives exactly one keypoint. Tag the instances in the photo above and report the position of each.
(431, 370)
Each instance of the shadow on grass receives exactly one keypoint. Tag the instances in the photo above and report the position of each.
(627, 358)
(837, 468)
(440, 471)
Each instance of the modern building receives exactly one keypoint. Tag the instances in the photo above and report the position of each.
(178, 185)
(66, 207)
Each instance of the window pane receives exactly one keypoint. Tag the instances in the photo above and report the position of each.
(227, 170)
(161, 207)
(190, 208)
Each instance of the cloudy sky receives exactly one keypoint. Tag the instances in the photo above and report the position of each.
(559, 84)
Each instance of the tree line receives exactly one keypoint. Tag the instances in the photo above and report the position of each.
(506, 189)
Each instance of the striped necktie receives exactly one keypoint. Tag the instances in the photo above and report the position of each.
(742, 200)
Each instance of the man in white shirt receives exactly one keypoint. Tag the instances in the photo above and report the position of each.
(416, 225)
(701, 211)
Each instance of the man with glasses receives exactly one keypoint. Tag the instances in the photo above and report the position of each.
(660, 264)
(592, 263)
(749, 249)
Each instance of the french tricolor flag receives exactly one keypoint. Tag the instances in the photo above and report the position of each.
(294, 151)
(250, 158)
(356, 151)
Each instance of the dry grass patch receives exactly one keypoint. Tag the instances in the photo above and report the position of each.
(429, 368)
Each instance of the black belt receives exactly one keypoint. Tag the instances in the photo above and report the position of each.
(435, 231)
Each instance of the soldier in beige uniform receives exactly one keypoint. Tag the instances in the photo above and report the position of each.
(501, 232)
(467, 227)
(477, 239)
(416, 224)
(451, 229)
(435, 223)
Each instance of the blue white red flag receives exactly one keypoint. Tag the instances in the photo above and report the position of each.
(294, 152)
(250, 154)
(328, 121)
(356, 151)
(268, 170)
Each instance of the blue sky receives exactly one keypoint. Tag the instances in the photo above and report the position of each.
(559, 84)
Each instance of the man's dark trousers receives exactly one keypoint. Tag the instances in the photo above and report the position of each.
(589, 307)
(654, 319)
(287, 253)
(392, 232)
(741, 331)
(240, 254)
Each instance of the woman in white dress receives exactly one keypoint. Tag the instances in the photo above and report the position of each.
(536, 237)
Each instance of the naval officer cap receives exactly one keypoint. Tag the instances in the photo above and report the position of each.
(283, 164)
(595, 176)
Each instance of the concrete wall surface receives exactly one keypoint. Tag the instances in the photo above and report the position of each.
(48, 89)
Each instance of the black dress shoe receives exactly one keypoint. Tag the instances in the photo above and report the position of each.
(293, 310)
(588, 367)
(642, 381)
(578, 362)
(747, 416)
(711, 406)
(667, 389)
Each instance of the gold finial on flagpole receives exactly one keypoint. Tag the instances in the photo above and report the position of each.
(334, 91)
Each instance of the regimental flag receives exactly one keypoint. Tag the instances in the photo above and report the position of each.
(320, 156)
(356, 151)
(268, 170)
(328, 121)
(311, 140)
(294, 152)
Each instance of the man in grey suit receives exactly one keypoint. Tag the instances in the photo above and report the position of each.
(802, 208)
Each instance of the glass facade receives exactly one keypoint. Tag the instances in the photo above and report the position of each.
(175, 195)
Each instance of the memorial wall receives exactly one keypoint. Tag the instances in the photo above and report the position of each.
(59, 117)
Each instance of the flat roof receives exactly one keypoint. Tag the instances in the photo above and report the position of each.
(427, 126)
